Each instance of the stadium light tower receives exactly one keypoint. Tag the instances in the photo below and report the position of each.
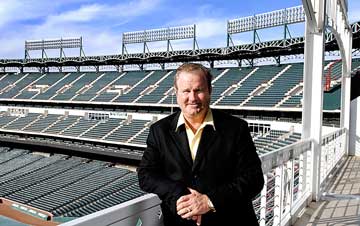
(265, 20)
(161, 34)
(276, 18)
(61, 44)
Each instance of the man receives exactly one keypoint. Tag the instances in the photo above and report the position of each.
(202, 163)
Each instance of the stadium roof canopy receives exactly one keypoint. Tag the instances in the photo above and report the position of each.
(275, 48)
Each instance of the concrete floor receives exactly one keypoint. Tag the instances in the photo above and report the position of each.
(341, 204)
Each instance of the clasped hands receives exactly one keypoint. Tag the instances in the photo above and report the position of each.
(192, 206)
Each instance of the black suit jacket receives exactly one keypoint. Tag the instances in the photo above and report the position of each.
(226, 168)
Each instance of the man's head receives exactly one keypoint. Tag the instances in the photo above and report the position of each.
(193, 89)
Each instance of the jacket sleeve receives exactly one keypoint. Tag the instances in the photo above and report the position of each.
(248, 180)
(152, 178)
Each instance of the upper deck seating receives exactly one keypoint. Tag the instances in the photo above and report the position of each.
(43, 82)
(127, 80)
(60, 84)
(159, 92)
(145, 79)
(97, 86)
(279, 87)
(262, 75)
(83, 80)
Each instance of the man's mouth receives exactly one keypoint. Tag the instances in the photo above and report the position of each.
(194, 105)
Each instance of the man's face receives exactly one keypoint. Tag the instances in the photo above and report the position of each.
(192, 94)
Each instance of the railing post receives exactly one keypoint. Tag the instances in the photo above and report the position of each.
(302, 174)
(278, 195)
(263, 202)
(287, 186)
(323, 159)
(292, 178)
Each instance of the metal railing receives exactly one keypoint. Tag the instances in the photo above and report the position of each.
(288, 178)
(287, 186)
(287, 190)
(333, 151)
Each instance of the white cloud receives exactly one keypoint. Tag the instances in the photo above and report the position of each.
(353, 10)
(94, 22)
(83, 14)
(103, 44)
(211, 27)
(12, 11)
(96, 12)
(353, 15)
(14, 48)
(210, 32)
(134, 8)
(15, 10)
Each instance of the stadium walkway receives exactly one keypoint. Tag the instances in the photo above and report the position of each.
(341, 205)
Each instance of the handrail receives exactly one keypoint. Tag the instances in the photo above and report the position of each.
(273, 159)
(144, 210)
(331, 136)
(332, 156)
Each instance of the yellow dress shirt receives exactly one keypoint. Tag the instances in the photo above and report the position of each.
(194, 138)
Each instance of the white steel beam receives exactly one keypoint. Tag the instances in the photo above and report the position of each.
(310, 13)
(346, 87)
(339, 25)
(313, 85)
(334, 16)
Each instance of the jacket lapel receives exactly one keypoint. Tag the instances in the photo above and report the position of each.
(207, 139)
(179, 137)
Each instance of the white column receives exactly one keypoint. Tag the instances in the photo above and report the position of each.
(313, 88)
(346, 85)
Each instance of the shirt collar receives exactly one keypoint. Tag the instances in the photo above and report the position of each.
(209, 120)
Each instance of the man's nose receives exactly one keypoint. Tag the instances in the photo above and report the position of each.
(192, 95)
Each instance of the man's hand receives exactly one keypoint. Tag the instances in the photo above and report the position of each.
(192, 206)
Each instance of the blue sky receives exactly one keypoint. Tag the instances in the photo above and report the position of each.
(102, 22)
